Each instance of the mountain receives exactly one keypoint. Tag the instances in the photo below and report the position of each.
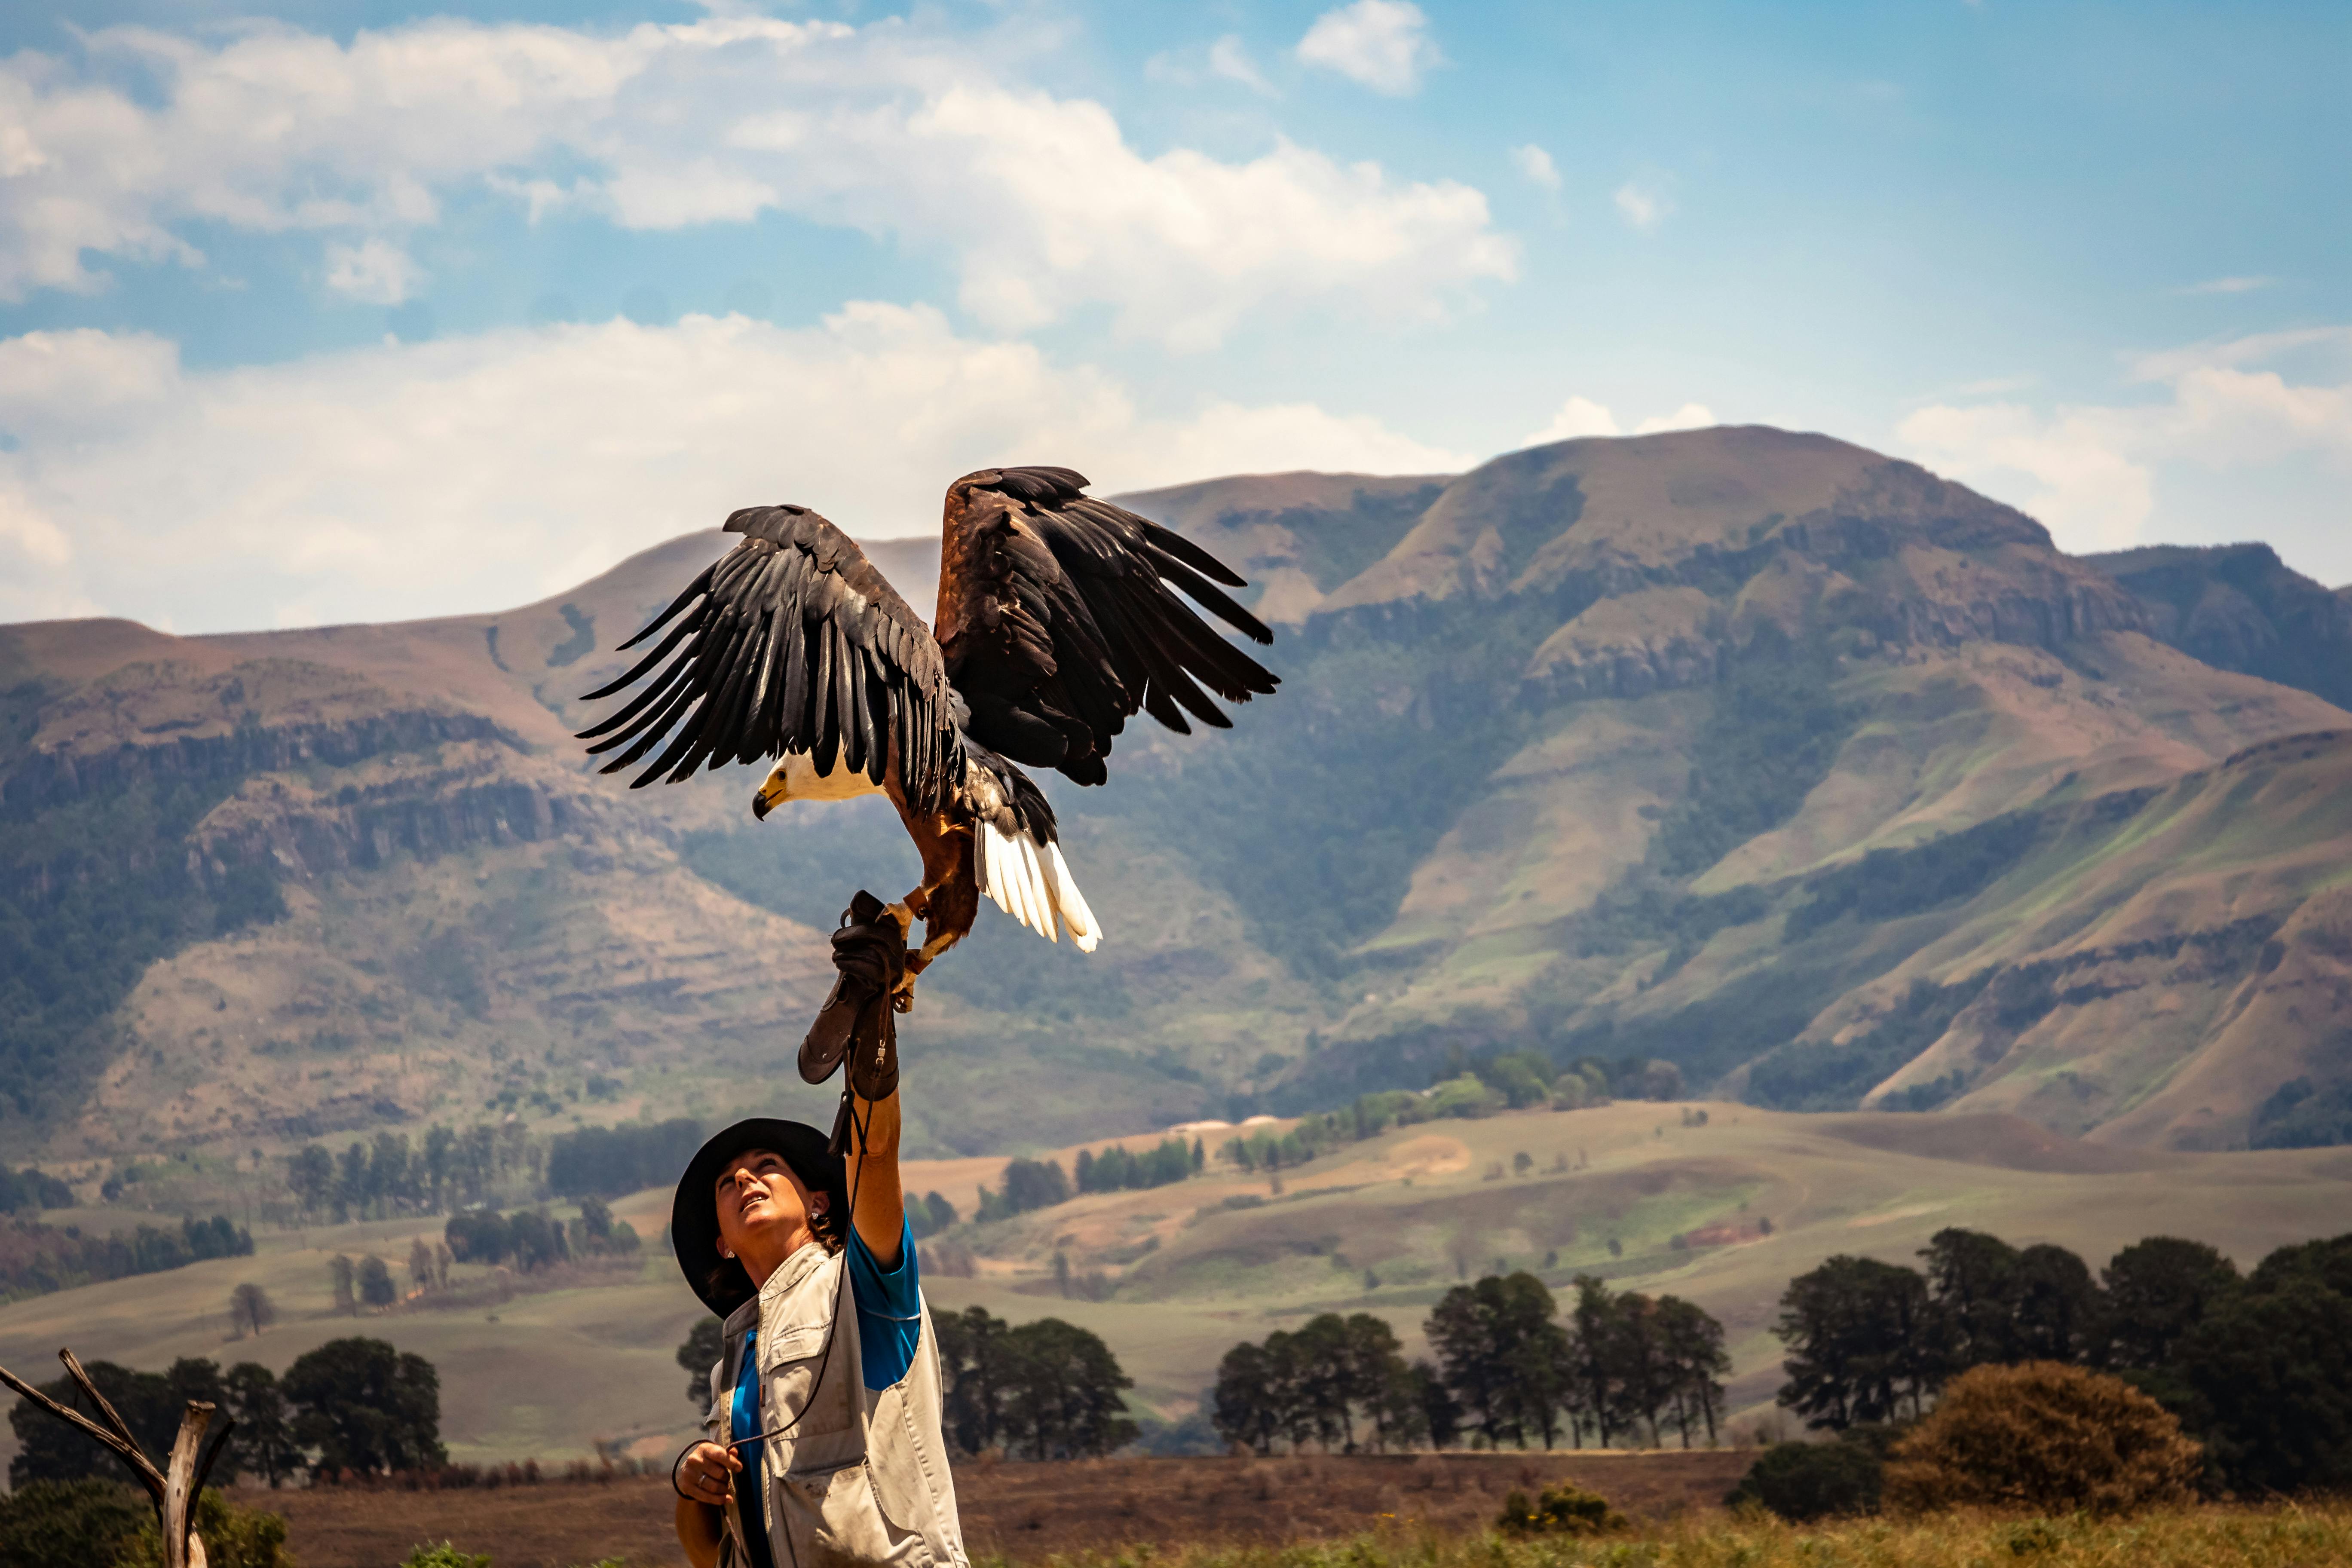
(1829, 780)
(2238, 607)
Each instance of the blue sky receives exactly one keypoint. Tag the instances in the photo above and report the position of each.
(355, 310)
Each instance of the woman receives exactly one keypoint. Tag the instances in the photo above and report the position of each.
(823, 1437)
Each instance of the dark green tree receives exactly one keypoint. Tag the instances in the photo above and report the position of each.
(262, 1442)
(1591, 1323)
(1465, 1330)
(440, 1162)
(1441, 1414)
(310, 1173)
(360, 1404)
(389, 1179)
(1065, 1389)
(2156, 1290)
(1377, 1384)
(1691, 1343)
(1028, 1184)
(538, 1241)
(351, 1190)
(2271, 1368)
(2058, 1314)
(1239, 1405)
(2327, 1263)
(704, 1345)
(1972, 1279)
(376, 1288)
(1860, 1341)
(976, 1368)
(479, 1236)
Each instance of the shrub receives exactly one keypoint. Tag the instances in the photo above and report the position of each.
(1802, 1481)
(2045, 1437)
(70, 1524)
(234, 1538)
(444, 1556)
(1564, 1509)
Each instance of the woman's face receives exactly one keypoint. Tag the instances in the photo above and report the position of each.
(763, 1211)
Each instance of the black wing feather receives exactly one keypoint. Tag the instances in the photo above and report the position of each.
(1060, 618)
(790, 642)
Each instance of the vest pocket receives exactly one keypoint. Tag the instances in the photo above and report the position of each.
(797, 1403)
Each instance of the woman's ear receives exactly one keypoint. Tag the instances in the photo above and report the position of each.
(725, 1250)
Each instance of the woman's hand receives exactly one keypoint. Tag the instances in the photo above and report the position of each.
(707, 1474)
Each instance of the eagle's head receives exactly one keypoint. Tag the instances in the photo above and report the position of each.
(794, 777)
(776, 789)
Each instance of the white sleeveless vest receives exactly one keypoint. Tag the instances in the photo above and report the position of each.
(849, 1471)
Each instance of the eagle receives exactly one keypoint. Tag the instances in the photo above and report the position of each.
(1057, 620)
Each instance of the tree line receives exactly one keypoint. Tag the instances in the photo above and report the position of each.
(533, 1238)
(1509, 1368)
(1116, 1170)
(449, 1169)
(37, 1258)
(2258, 1367)
(350, 1405)
(386, 1178)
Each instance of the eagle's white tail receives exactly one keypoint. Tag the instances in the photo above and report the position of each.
(1032, 882)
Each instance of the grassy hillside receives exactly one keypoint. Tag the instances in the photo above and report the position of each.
(1593, 749)
(1384, 1226)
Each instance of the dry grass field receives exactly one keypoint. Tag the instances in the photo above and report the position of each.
(1382, 1227)
(1424, 1511)
(1025, 1512)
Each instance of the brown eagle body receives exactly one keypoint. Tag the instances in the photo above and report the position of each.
(1057, 620)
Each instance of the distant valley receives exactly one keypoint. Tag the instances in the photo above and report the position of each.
(1826, 779)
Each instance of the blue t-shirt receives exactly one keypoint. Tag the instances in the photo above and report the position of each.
(889, 1308)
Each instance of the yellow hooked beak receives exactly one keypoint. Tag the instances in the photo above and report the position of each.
(771, 795)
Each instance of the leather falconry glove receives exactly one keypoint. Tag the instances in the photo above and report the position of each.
(856, 1022)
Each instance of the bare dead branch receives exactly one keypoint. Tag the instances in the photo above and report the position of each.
(105, 1405)
(128, 1451)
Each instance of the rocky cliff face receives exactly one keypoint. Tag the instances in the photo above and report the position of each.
(2238, 606)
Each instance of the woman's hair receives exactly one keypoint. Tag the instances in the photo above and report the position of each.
(827, 1228)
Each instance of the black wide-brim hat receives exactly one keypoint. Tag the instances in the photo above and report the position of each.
(722, 1282)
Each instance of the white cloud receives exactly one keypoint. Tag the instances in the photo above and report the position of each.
(1229, 59)
(1577, 417)
(1689, 416)
(375, 271)
(2229, 286)
(1039, 200)
(2092, 473)
(1537, 166)
(1383, 44)
(1643, 206)
(2085, 489)
(472, 473)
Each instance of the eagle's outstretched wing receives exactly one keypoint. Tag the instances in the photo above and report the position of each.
(1058, 620)
(790, 642)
